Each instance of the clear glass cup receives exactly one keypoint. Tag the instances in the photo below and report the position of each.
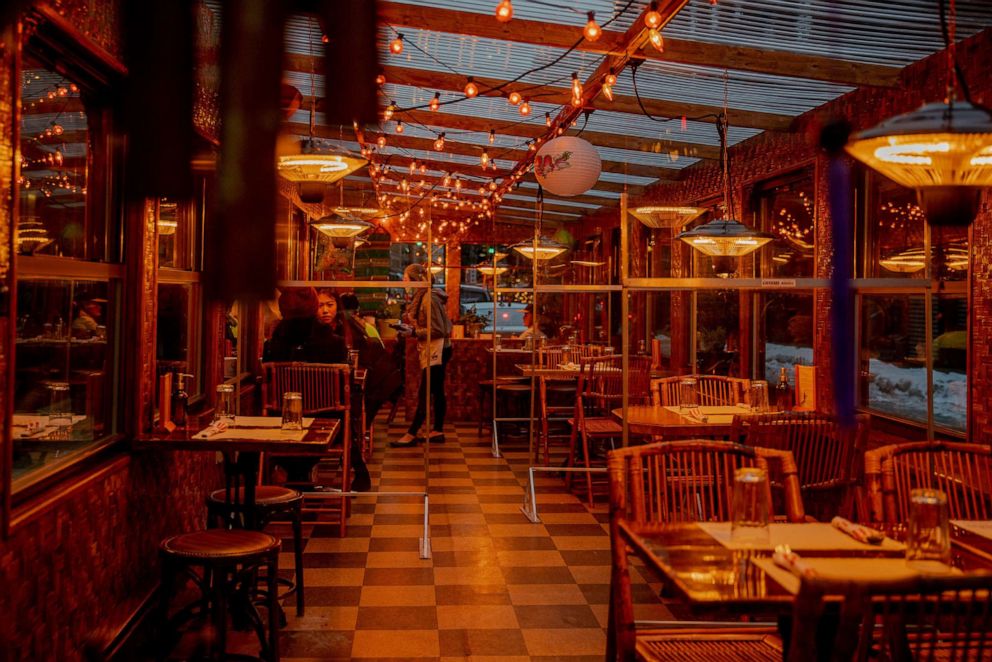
(224, 407)
(688, 392)
(928, 545)
(59, 405)
(750, 508)
(353, 355)
(757, 396)
(292, 410)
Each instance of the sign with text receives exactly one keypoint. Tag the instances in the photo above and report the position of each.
(778, 282)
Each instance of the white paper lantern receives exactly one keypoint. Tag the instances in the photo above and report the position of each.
(567, 166)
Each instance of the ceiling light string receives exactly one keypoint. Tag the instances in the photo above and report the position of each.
(954, 71)
(418, 48)
(634, 64)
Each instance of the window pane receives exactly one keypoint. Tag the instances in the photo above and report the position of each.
(174, 350)
(718, 314)
(62, 372)
(950, 362)
(175, 235)
(950, 252)
(893, 333)
(54, 145)
(788, 212)
(896, 227)
(787, 334)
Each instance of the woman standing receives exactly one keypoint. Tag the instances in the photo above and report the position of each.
(434, 353)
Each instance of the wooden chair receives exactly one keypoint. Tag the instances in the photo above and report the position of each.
(923, 618)
(666, 391)
(677, 482)
(326, 391)
(828, 457)
(717, 390)
(962, 471)
(600, 390)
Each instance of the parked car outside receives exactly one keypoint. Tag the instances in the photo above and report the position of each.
(509, 316)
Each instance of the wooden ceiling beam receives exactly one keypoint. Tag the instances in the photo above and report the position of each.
(722, 56)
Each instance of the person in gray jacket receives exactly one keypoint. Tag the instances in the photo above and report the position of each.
(434, 354)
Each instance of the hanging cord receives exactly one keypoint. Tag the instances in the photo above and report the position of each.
(634, 64)
(723, 128)
(948, 25)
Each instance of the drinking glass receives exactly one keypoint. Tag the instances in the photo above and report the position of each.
(688, 392)
(353, 355)
(59, 405)
(750, 507)
(224, 409)
(758, 396)
(928, 546)
(292, 410)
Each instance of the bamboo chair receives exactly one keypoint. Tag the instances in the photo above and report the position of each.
(829, 458)
(961, 471)
(923, 618)
(684, 481)
(600, 390)
(665, 392)
(326, 391)
(711, 390)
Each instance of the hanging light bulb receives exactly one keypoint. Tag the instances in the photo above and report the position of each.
(592, 30)
(458, 184)
(492, 136)
(547, 119)
(388, 113)
(439, 143)
(435, 102)
(399, 126)
(413, 166)
(656, 40)
(381, 141)
(576, 85)
(484, 159)
(396, 45)
(524, 108)
(652, 18)
(514, 98)
(471, 89)
(446, 182)
(423, 168)
(504, 11)
(380, 80)
(608, 83)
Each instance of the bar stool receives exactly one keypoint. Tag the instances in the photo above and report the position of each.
(512, 401)
(486, 398)
(271, 501)
(230, 560)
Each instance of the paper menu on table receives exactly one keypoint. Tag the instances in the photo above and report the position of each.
(799, 537)
(265, 422)
(254, 434)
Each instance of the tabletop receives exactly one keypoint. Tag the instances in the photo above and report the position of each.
(656, 419)
(249, 434)
(710, 575)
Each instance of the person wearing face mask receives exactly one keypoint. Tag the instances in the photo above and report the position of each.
(434, 352)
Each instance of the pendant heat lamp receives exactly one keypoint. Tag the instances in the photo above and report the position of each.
(725, 239)
(491, 271)
(338, 227)
(667, 216)
(31, 235)
(544, 250)
(314, 165)
(943, 150)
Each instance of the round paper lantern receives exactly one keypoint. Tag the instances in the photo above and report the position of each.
(567, 166)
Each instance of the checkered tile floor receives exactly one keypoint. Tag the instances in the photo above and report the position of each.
(497, 586)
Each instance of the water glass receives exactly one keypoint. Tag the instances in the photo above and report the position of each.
(928, 546)
(750, 508)
(758, 396)
(224, 408)
(59, 405)
(292, 410)
(688, 392)
(353, 355)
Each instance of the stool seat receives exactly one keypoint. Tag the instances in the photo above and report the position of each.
(486, 383)
(513, 388)
(219, 544)
(265, 495)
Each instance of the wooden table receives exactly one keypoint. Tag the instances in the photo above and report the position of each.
(558, 374)
(675, 422)
(243, 445)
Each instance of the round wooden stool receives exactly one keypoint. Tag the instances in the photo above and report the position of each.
(230, 560)
(271, 501)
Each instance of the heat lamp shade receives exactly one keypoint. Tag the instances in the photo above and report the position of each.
(725, 238)
(491, 271)
(544, 250)
(567, 166)
(337, 227)
(665, 216)
(939, 144)
(313, 162)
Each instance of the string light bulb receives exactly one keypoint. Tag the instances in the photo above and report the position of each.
(524, 108)
(439, 143)
(435, 102)
(381, 141)
(484, 159)
(388, 113)
(399, 126)
(576, 86)
(396, 45)
(514, 98)
(547, 119)
(492, 136)
(504, 11)
(592, 30)
(656, 40)
(471, 89)
(608, 83)
(652, 18)
(380, 80)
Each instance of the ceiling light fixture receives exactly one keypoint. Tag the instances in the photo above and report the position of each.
(665, 216)
(471, 89)
(396, 45)
(652, 18)
(435, 102)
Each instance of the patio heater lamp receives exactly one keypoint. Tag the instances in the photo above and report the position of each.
(667, 216)
(725, 239)
(943, 150)
(491, 271)
(545, 249)
(338, 227)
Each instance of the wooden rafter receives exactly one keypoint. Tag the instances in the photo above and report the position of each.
(761, 60)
